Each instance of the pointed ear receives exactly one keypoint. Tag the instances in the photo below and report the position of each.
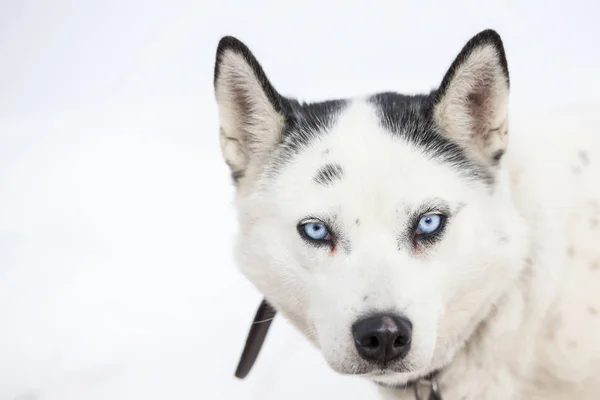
(252, 114)
(471, 105)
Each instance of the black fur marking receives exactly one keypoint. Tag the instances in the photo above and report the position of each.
(410, 118)
(329, 174)
(306, 122)
(236, 176)
(498, 155)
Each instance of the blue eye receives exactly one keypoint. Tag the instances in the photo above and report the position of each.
(315, 231)
(429, 224)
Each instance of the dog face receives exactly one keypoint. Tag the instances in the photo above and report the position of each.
(381, 226)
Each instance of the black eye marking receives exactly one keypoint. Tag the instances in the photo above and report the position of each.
(428, 239)
(333, 240)
(328, 174)
(315, 232)
(419, 239)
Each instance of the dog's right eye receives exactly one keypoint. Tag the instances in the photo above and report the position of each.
(314, 231)
(429, 224)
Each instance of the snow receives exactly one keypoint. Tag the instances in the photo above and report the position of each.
(116, 220)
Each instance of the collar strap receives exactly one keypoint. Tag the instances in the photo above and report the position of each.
(425, 387)
(432, 386)
(256, 337)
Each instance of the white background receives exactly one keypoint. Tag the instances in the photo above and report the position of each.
(116, 274)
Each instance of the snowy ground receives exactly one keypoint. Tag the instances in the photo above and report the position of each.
(116, 275)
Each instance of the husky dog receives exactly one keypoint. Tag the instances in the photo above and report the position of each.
(411, 241)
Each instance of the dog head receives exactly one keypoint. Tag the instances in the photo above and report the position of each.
(382, 227)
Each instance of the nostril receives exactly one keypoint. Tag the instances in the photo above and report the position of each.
(401, 341)
(370, 342)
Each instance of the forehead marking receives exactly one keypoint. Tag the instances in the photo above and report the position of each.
(410, 118)
(329, 174)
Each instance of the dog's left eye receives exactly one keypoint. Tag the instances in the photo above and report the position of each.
(429, 224)
(316, 231)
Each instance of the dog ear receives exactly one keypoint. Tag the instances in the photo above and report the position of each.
(252, 114)
(471, 104)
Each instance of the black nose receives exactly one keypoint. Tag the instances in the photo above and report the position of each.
(382, 338)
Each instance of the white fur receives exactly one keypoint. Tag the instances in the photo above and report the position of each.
(507, 303)
(541, 342)
(501, 302)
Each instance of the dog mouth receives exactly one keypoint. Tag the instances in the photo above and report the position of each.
(375, 371)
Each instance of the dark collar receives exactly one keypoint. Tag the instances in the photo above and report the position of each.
(256, 337)
(258, 332)
(425, 388)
